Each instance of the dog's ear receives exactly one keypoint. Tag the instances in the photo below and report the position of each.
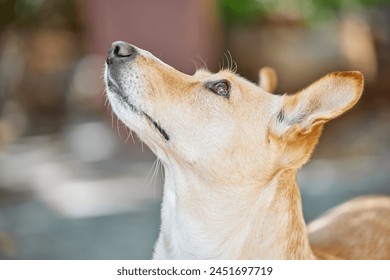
(320, 102)
(268, 80)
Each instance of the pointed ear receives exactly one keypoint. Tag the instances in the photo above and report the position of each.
(320, 102)
(268, 80)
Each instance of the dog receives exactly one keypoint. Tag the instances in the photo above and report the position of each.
(231, 151)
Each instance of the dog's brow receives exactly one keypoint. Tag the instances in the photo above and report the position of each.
(202, 73)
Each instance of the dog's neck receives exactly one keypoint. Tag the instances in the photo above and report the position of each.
(252, 220)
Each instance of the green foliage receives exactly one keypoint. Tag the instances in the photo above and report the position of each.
(238, 12)
(27, 9)
(30, 13)
(244, 11)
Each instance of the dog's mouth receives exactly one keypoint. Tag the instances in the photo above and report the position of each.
(123, 99)
(157, 126)
(112, 87)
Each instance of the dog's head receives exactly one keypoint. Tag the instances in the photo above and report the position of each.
(219, 124)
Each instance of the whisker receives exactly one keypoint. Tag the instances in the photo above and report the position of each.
(231, 60)
(155, 174)
(233, 66)
(128, 133)
(227, 60)
(106, 100)
(117, 128)
(148, 178)
(155, 178)
(203, 61)
(234, 70)
(195, 64)
(112, 119)
(131, 134)
(162, 171)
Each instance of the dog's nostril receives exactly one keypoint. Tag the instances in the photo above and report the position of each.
(116, 51)
(122, 49)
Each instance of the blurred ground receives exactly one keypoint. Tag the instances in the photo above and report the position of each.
(74, 185)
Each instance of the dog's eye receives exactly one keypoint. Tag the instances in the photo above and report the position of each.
(220, 88)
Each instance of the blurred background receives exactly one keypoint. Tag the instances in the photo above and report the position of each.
(75, 184)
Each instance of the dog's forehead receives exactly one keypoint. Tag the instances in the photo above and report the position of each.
(204, 75)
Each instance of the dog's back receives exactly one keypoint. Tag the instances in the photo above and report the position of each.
(365, 219)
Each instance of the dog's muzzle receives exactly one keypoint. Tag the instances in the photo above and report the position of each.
(121, 52)
(120, 56)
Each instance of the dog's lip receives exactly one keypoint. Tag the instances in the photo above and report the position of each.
(114, 88)
(157, 126)
(117, 91)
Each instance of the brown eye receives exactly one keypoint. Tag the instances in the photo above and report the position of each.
(220, 88)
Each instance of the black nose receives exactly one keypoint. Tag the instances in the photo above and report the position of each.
(121, 50)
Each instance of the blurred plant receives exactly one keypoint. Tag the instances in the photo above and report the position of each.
(239, 12)
(28, 13)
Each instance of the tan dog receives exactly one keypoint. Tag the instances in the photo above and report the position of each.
(231, 152)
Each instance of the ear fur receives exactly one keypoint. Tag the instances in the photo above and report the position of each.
(268, 80)
(320, 102)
